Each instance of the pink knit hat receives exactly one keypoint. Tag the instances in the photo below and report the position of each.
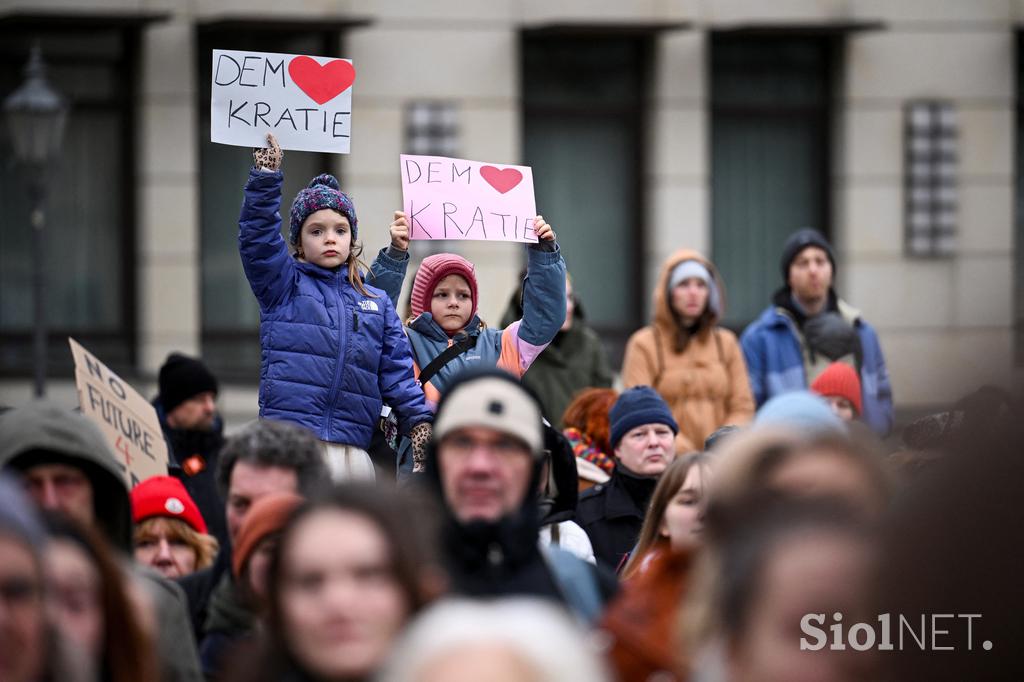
(432, 270)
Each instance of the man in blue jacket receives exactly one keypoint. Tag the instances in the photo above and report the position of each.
(808, 327)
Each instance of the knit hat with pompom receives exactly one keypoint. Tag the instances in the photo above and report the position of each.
(323, 191)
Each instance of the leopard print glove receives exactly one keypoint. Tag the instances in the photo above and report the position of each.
(420, 436)
(269, 157)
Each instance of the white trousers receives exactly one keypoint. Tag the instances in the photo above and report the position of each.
(348, 463)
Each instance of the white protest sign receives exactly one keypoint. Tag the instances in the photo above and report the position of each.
(460, 199)
(126, 418)
(306, 102)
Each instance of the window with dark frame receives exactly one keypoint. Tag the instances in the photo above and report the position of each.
(770, 102)
(230, 314)
(584, 107)
(91, 201)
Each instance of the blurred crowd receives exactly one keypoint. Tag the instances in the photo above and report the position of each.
(444, 501)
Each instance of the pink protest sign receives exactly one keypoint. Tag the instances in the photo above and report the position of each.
(460, 199)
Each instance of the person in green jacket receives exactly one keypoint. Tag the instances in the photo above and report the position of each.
(574, 360)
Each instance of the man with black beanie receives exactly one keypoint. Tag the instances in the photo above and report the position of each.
(807, 327)
(194, 431)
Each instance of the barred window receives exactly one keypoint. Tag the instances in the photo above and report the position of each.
(929, 178)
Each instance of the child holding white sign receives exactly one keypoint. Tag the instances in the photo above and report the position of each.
(332, 346)
(447, 335)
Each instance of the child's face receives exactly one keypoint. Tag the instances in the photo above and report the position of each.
(325, 239)
(842, 407)
(452, 303)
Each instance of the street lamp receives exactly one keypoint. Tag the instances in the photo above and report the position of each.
(36, 115)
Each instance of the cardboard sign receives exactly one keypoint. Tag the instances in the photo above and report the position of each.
(126, 418)
(459, 199)
(306, 102)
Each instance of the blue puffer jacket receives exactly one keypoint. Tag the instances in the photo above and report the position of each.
(330, 356)
(513, 348)
(771, 347)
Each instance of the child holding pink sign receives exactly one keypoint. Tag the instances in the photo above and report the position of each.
(332, 346)
(447, 335)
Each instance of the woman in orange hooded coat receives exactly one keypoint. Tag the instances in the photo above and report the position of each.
(695, 365)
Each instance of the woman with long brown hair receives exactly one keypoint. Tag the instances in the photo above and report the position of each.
(696, 365)
(674, 520)
(349, 572)
(642, 623)
(91, 607)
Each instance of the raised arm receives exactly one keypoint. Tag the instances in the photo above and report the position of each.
(389, 267)
(268, 266)
(395, 376)
(543, 296)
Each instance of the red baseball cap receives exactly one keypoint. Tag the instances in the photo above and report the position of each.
(165, 496)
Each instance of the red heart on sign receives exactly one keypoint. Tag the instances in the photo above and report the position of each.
(501, 180)
(322, 82)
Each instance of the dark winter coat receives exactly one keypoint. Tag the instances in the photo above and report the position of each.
(198, 588)
(229, 622)
(503, 558)
(612, 513)
(183, 444)
(330, 355)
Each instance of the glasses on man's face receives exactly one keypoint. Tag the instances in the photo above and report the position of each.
(461, 445)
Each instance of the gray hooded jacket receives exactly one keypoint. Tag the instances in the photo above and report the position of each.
(44, 433)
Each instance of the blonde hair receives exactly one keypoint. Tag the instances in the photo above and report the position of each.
(535, 631)
(205, 546)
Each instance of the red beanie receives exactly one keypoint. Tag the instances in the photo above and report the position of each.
(267, 515)
(839, 379)
(165, 496)
(432, 270)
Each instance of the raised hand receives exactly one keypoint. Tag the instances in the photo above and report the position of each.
(543, 230)
(420, 437)
(269, 157)
(400, 232)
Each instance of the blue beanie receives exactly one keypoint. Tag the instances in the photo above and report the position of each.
(635, 407)
(800, 410)
(323, 191)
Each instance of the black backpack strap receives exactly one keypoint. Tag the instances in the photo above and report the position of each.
(449, 354)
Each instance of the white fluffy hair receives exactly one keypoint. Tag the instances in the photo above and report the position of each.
(543, 635)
